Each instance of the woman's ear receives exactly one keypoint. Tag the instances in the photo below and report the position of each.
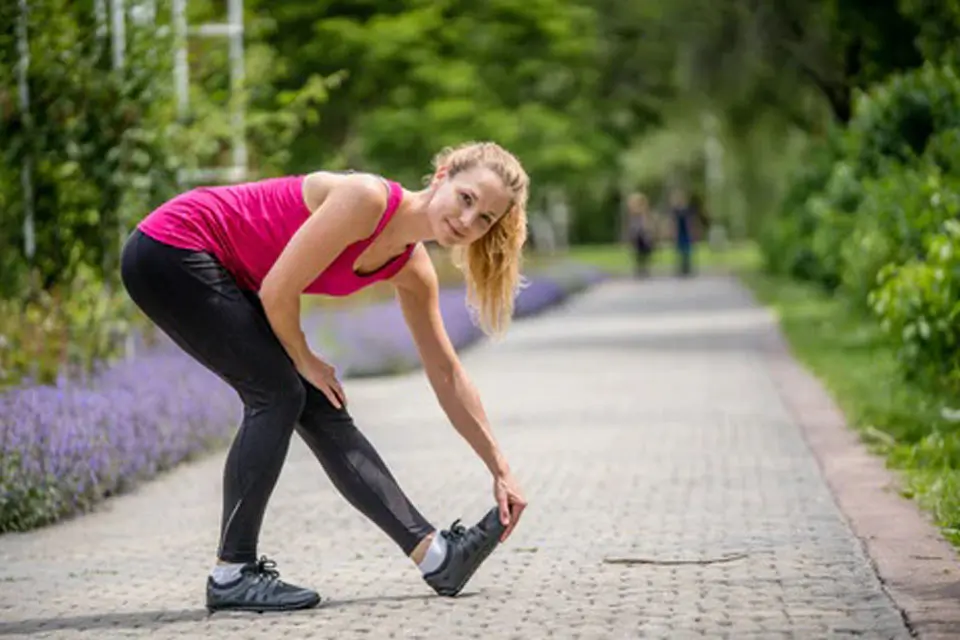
(439, 175)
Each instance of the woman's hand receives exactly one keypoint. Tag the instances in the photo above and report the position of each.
(511, 501)
(324, 377)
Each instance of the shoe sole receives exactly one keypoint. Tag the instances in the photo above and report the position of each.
(482, 555)
(259, 608)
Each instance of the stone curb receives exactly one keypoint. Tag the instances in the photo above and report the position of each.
(918, 568)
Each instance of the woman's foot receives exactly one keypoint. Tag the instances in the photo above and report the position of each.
(466, 549)
(258, 588)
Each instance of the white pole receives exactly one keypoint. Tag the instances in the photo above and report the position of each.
(100, 13)
(713, 153)
(26, 176)
(119, 32)
(181, 71)
(237, 74)
(144, 12)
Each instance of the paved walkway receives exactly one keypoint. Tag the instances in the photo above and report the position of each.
(672, 495)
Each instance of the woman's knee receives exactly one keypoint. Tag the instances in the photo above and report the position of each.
(291, 396)
(284, 394)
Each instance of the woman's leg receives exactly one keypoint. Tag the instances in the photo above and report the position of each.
(358, 472)
(447, 558)
(194, 300)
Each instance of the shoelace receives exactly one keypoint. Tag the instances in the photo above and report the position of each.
(267, 568)
(457, 531)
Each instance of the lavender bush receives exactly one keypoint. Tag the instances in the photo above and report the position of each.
(66, 446)
(63, 447)
(373, 340)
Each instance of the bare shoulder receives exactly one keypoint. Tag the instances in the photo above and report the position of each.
(418, 276)
(364, 193)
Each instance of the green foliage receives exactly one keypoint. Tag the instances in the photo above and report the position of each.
(919, 304)
(873, 39)
(768, 72)
(896, 119)
(833, 220)
(64, 330)
(103, 147)
(937, 487)
(877, 228)
(900, 209)
(276, 113)
(845, 228)
(419, 75)
(847, 211)
(100, 144)
(431, 74)
(938, 24)
(572, 86)
(24, 508)
(786, 240)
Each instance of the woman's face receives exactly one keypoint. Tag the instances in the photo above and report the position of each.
(466, 206)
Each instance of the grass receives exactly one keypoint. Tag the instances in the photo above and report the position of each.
(618, 258)
(897, 418)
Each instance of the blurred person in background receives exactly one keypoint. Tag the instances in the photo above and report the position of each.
(221, 270)
(641, 232)
(688, 227)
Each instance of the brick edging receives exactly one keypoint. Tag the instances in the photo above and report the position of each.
(919, 569)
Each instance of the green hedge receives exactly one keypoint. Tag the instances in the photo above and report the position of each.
(104, 146)
(873, 218)
(869, 239)
(101, 145)
(919, 304)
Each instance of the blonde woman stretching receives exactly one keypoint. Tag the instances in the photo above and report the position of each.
(221, 271)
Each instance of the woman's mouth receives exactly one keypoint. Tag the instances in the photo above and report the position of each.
(453, 230)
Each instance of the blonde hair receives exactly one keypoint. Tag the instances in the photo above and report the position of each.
(491, 264)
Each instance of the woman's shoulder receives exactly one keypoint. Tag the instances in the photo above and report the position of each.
(368, 187)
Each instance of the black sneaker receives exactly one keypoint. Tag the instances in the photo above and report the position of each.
(258, 589)
(466, 549)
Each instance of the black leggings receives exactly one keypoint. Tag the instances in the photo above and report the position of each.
(195, 301)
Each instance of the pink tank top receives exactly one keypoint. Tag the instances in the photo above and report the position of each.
(246, 226)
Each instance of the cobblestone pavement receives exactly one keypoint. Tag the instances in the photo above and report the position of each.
(671, 496)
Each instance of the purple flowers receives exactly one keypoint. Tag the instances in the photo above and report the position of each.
(373, 339)
(66, 446)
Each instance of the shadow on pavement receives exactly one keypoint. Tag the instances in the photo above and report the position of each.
(705, 340)
(127, 620)
(670, 297)
(334, 603)
(158, 618)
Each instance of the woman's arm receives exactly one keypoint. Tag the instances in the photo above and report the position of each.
(348, 213)
(418, 293)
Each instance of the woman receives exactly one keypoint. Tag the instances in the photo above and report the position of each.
(640, 231)
(221, 271)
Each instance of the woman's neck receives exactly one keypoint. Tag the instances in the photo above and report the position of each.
(410, 223)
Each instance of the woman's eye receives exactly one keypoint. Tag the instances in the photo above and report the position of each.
(466, 198)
